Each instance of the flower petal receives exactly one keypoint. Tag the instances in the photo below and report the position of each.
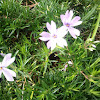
(69, 15)
(96, 41)
(65, 67)
(48, 44)
(74, 32)
(75, 21)
(10, 71)
(45, 36)
(48, 26)
(6, 57)
(93, 45)
(52, 27)
(7, 62)
(2, 54)
(53, 24)
(7, 75)
(62, 31)
(69, 62)
(61, 42)
(63, 18)
(53, 44)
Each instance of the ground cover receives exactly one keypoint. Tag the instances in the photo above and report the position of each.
(68, 71)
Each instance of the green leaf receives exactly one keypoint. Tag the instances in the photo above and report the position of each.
(89, 13)
(97, 93)
(94, 64)
(1, 38)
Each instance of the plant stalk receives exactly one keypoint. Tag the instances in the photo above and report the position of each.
(96, 27)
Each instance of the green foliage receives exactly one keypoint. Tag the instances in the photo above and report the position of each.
(40, 72)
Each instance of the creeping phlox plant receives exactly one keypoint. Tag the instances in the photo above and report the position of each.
(71, 73)
(53, 38)
(56, 35)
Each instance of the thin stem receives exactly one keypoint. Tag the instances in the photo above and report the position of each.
(84, 75)
(96, 27)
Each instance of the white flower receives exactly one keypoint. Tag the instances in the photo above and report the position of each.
(96, 42)
(55, 36)
(9, 74)
(69, 23)
(70, 63)
(93, 46)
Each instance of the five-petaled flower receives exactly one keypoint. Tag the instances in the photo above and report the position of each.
(69, 23)
(56, 36)
(9, 74)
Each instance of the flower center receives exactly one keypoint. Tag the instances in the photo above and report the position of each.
(55, 36)
(67, 24)
(0, 68)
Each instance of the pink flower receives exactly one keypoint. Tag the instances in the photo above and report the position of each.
(55, 36)
(69, 63)
(69, 23)
(9, 74)
(65, 67)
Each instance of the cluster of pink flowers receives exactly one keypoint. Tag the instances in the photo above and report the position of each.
(56, 36)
